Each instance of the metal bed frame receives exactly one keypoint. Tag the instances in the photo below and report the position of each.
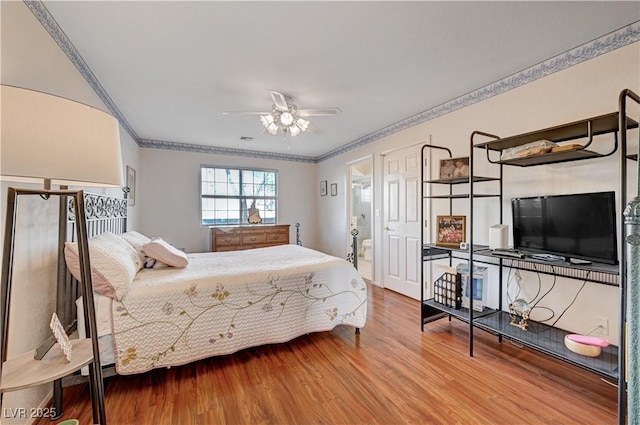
(103, 214)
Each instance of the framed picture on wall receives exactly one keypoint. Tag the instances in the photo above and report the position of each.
(451, 230)
(334, 189)
(323, 188)
(131, 184)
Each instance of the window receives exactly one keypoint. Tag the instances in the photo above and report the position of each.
(227, 193)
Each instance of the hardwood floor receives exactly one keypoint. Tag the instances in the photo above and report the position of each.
(391, 374)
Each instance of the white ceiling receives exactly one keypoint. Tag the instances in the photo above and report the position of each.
(172, 68)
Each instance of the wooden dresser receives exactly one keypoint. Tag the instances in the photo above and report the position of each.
(248, 237)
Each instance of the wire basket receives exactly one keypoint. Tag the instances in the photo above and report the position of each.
(447, 290)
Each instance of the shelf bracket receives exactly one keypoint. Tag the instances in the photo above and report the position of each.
(486, 148)
(44, 348)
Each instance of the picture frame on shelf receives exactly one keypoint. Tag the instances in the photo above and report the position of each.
(323, 188)
(334, 189)
(452, 230)
(61, 336)
(454, 168)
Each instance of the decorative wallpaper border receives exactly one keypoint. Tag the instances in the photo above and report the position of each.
(187, 147)
(607, 43)
(46, 20)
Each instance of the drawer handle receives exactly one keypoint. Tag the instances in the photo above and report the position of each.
(227, 240)
(253, 239)
(276, 237)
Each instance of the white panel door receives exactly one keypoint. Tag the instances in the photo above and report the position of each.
(402, 222)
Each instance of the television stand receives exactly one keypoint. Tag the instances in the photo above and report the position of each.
(514, 253)
(578, 261)
(548, 257)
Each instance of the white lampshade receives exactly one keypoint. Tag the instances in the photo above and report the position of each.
(49, 137)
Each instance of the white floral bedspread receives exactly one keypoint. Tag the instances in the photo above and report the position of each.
(224, 302)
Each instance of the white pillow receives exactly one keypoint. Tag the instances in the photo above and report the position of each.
(162, 251)
(114, 264)
(136, 240)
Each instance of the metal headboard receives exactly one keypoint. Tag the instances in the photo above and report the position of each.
(104, 214)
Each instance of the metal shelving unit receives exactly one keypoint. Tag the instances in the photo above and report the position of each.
(431, 310)
(541, 337)
(548, 340)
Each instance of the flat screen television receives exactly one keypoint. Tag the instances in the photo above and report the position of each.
(581, 226)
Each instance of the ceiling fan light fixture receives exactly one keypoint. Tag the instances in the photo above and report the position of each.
(302, 123)
(295, 130)
(266, 120)
(286, 119)
(272, 128)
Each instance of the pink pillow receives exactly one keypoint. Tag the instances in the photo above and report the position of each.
(168, 254)
(114, 264)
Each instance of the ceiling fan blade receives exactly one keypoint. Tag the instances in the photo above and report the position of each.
(313, 129)
(318, 112)
(244, 113)
(279, 100)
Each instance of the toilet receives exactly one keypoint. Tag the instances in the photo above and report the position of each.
(367, 248)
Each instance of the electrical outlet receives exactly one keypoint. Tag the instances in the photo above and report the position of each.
(601, 326)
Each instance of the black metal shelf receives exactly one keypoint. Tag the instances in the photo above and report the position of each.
(541, 337)
(461, 196)
(552, 158)
(576, 130)
(461, 180)
(434, 252)
(595, 126)
(550, 340)
(606, 274)
(460, 314)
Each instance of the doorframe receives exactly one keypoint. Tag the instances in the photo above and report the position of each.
(370, 159)
(424, 229)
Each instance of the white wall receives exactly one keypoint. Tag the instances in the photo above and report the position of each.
(582, 91)
(31, 59)
(169, 195)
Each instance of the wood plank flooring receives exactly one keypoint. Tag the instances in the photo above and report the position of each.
(391, 374)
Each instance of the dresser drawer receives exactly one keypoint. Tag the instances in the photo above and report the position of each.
(248, 237)
(278, 229)
(227, 240)
(254, 238)
(227, 232)
(278, 237)
(221, 248)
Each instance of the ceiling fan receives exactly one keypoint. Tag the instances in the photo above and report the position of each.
(286, 116)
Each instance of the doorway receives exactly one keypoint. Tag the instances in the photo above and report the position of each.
(401, 231)
(361, 213)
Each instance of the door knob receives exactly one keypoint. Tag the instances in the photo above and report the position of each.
(387, 228)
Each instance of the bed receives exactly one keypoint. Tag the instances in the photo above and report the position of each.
(161, 307)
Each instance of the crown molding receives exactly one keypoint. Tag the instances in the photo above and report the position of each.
(607, 43)
(49, 23)
(187, 147)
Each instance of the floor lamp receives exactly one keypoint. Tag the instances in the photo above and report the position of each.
(50, 139)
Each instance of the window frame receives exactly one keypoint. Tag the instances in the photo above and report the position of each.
(240, 169)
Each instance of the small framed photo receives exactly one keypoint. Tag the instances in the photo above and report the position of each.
(454, 168)
(323, 188)
(61, 336)
(452, 230)
(334, 189)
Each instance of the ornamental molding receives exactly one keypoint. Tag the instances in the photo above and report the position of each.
(605, 44)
